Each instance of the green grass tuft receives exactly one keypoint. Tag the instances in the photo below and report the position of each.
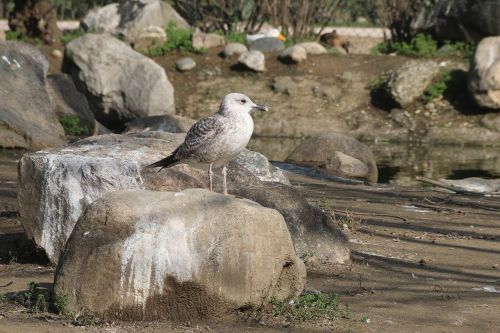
(437, 88)
(177, 39)
(72, 126)
(310, 306)
(71, 35)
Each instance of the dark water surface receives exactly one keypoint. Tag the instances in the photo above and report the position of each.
(400, 163)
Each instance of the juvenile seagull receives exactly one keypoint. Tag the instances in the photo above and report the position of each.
(215, 140)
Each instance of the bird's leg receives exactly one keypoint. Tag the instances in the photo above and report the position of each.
(224, 183)
(210, 174)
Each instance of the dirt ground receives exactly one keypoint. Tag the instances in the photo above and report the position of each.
(423, 261)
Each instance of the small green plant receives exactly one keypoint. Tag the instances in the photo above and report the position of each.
(236, 37)
(2, 297)
(177, 39)
(459, 49)
(421, 46)
(437, 88)
(15, 35)
(33, 298)
(72, 126)
(365, 319)
(71, 35)
(61, 304)
(308, 306)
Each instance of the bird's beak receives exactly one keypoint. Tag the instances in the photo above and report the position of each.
(260, 107)
(281, 37)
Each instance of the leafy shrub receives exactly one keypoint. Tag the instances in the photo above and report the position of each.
(236, 37)
(309, 306)
(33, 298)
(420, 46)
(72, 126)
(15, 35)
(437, 88)
(177, 39)
(71, 35)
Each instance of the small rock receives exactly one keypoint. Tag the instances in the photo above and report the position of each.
(408, 82)
(267, 44)
(149, 37)
(254, 60)
(185, 64)
(484, 73)
(338, 154)
(294, 53)
(56, 53)
(206, 41)
(313, 48)
(234, 48)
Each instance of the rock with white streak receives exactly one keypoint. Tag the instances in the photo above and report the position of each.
(176, 256)
(254, 60)
(120, 83)
(27, 117)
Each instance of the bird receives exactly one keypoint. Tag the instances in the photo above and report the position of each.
(217, 139)
(270, 33)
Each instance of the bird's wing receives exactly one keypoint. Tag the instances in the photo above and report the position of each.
(201, 133)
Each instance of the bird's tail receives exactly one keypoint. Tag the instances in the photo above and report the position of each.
(164, 163)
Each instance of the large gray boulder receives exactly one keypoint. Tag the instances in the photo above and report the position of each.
(128, 19)
(337, 154)
(408, 82)
(27, 118)
(176, 256)
(55, 187)
(459, 20)
(120, 84)
(484, 73)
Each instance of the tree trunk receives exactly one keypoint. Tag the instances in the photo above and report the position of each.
(35, 19)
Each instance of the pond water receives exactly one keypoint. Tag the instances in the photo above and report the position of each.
(400, 163)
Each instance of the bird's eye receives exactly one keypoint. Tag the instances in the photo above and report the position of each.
(243, 101)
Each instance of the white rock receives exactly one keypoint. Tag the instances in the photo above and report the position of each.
(313, 48)
(294, 53)
(234, 48)
(185, 64)
(254, 60)
(207, 41)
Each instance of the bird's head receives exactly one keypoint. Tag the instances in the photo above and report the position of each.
(236, 102)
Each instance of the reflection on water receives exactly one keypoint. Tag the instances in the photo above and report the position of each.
(400, 163)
